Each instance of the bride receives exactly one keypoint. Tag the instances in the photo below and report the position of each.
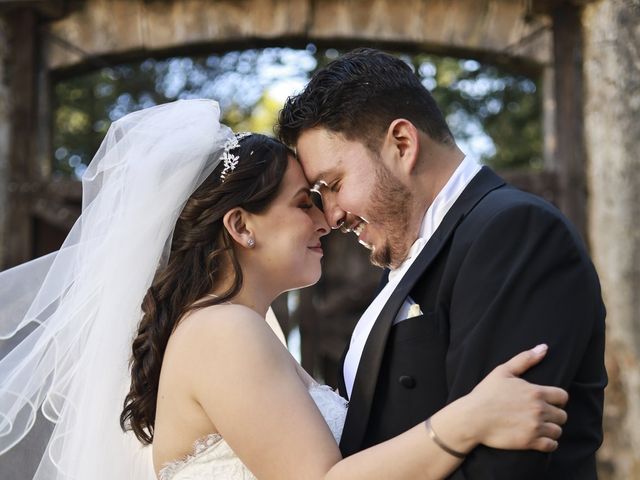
(144, 337)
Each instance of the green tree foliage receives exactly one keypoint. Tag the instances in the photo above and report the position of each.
(477, 97)
(493, 113)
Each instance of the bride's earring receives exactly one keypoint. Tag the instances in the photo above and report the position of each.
(251, 243)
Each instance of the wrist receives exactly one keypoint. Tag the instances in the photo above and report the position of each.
(457, 425)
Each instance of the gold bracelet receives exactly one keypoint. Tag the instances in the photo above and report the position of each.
(440, 443)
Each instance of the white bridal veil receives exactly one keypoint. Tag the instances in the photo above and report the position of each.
(75, 311)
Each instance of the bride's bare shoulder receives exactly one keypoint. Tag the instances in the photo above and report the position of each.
(231, 340)
(223, 326)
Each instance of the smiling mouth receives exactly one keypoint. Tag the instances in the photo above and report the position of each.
(359, 228)
(317, 249)
(356, 227)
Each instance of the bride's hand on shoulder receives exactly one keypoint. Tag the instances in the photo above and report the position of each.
(510, 413)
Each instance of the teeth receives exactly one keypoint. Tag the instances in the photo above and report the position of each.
(365, 244)
(359, 228)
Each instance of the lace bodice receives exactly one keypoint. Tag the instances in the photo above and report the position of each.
(212, 458)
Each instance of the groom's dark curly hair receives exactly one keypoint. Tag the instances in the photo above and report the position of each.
(359, 95)
(199, 247)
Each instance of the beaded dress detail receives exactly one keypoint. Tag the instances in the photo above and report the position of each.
(212, 458)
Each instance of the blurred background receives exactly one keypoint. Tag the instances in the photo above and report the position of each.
(547, 92)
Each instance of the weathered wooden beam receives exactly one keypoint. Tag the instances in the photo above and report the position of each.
(99, 31)
(548, 6)
(50, 9)
(570, 143)
(22, 24)
(5, 135)
(307, 318)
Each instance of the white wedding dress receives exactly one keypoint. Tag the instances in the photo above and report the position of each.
(212, 458)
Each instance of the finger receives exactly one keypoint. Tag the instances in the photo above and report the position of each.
(544, 444)
(525, 360)
(555, 415)
(550, 430)
(554, 395)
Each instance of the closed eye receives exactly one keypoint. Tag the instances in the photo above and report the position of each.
(307, 200)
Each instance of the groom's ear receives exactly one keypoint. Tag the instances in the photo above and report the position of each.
(401, 145)
(235, 221)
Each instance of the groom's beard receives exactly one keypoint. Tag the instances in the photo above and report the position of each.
(389, 205)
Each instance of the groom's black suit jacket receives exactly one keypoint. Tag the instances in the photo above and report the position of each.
(504, 271)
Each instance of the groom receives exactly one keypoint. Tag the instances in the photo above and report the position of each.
(476, 270)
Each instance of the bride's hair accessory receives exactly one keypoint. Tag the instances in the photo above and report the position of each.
(229, 159)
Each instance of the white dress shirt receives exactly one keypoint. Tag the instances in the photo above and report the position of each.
(462, 176)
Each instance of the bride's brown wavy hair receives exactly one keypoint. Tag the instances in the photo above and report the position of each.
(200, 243)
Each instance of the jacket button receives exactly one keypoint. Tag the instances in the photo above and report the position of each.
(407, 381)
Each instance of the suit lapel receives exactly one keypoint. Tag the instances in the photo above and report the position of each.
(366, 378)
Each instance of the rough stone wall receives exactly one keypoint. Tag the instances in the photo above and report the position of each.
(484, 25)
(612, 123)
(4, 134)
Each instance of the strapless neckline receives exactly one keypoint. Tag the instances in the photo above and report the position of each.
(200, 462)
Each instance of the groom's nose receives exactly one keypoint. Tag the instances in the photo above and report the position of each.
(333, 213)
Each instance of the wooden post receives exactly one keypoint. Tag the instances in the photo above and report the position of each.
(22, 113)
(5, 137)
(22, 171)
(570, 148)
(307, 319)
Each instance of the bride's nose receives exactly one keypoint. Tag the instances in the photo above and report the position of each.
(322, 227)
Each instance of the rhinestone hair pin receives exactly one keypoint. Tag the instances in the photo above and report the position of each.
(229, 159)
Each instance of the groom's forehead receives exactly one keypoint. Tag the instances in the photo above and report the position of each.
(317, 166)
(321, 171)
(323, 154)
(314, 176)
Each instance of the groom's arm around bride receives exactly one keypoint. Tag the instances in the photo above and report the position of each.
(524, 277)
